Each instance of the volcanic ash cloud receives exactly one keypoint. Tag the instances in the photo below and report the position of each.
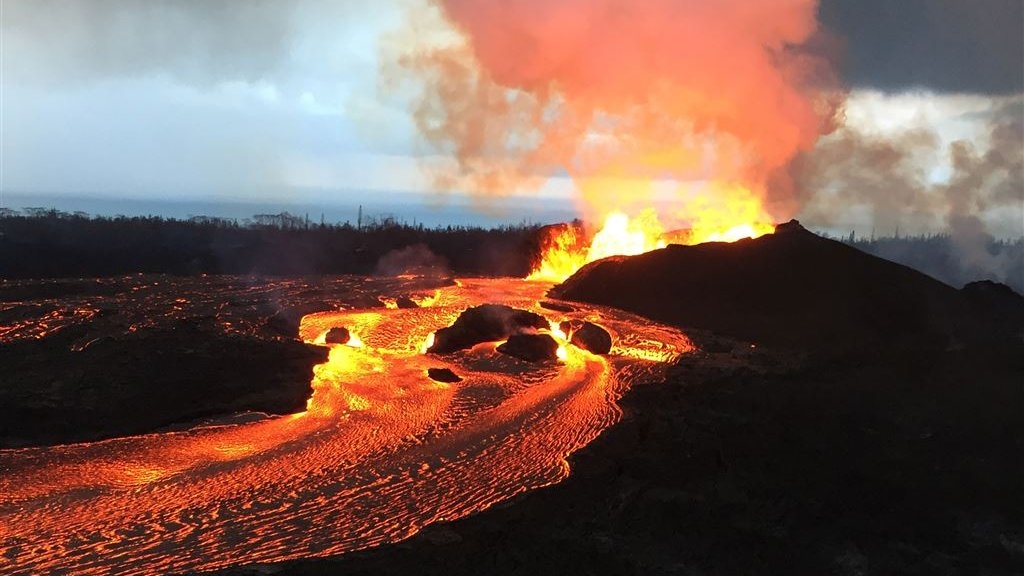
(621, 91)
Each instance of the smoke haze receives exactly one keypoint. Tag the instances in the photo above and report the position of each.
(197, 41)
(892, 174)
(614, 89)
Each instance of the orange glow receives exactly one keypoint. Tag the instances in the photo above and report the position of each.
(134, 475)
(620, 236)
(625, 96)
(374, 425)
(723, 214)
(734, 214)
(234, 451)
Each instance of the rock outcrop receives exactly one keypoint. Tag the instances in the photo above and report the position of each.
(531, 347)
(486, 323)
(338, 335)
(592, 338)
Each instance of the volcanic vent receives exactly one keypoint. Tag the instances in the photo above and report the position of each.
(794, 289)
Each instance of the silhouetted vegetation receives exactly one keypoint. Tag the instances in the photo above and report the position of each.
(950, 259)
(47, 243)
(39, 242)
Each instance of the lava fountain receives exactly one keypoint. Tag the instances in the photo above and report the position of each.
(566, 249)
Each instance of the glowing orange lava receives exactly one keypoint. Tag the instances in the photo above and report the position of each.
(382, 451)
(735, 214)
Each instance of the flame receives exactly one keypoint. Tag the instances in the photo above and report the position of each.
(735, 214)
(740, 232)
(354, 341)
(620, 236)
(560, 258)
(723, 213)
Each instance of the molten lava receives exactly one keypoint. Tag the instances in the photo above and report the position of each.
(740, 215)
(382, 450)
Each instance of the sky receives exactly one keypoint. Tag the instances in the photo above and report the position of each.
(283, 103)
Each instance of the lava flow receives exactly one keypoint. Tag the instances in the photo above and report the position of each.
(382, 451)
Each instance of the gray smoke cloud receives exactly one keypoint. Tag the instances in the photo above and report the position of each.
(892, 176)
(195, 42)
(887, 175)
(200, 42)
(983, 180)
(416, 259)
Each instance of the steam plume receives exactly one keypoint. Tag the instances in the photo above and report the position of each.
(891, 174)
(677, 90)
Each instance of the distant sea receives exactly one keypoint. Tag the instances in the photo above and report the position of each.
(404, 208)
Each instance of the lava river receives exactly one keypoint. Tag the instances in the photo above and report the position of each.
(381, 452)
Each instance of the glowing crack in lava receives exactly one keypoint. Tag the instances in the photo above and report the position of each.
(382, 451)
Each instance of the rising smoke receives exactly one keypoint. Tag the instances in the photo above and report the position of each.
(417, 259)
(892, 174)
(196, 42)
(200, 42)
(677, 90)
(737, 91)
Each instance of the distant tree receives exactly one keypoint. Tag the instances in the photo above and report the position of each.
(35, 211)
(282, 221)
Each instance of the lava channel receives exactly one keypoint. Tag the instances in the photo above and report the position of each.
(382, 451)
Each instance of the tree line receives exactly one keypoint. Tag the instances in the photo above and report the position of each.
(951, 259)
(47, 243)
